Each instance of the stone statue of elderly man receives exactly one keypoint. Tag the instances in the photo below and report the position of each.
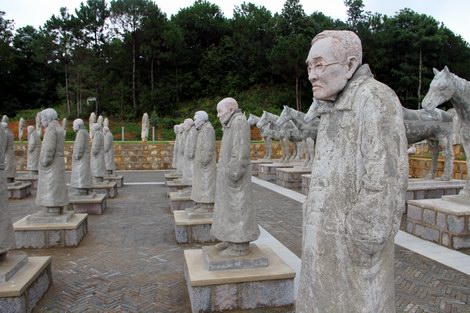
(174, 163)
(358, 184)
(234, 222)
(98, 167)
(34, 148)
(189, 138)
(145, 127)
(203, 191)
(180, 143)
(81, 178)
(6, 228)
(109, 163)
(10, 159)
(52, 188)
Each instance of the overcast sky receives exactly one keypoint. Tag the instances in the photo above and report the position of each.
(453, 13)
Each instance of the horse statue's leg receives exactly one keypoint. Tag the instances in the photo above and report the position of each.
(294, 151)
(311, 152)
(434, 147)
(268, 143)
(285, 150)
(446, 142)
(465, 192)
(298, 150)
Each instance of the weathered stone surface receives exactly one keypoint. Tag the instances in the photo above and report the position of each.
(215, 262)
(429, 216)
(225, 297)
(456, 224)
(415, 212)
(30, 239)
(266, 294)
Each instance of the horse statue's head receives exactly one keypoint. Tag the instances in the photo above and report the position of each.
(312, 112)
(263, 120)
(441, 89)
(284, 117)
(252, 119)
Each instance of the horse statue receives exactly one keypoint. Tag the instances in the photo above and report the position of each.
(288, 132)
(447, 86)
(266, 134)
(308, 130)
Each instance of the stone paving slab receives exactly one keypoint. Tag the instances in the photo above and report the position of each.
(130, 262)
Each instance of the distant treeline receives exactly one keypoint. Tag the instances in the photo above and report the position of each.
(126, 57)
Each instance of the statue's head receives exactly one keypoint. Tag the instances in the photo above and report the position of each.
(78, 124)
(100, 120)
(30, 130)
(332, 60)
(200, 117)
(188, 123)
(5, 119)
(181, 127)
(95, 127)
(47, 116)
(176, 128)
(225, 109)
(105, 130)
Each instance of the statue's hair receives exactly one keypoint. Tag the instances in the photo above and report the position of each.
(204, 115)
(95, 127)
(78, 121)
(188, 121)
(49, 114)
(345, 43)
(229, 103)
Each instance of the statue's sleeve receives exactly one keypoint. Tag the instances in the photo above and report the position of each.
(96, 146)
(372, 220)
(240, 157)
(191, 143)
(48, 147)
(107, 143)
(31, 143)
(208, 146)
(79, 147)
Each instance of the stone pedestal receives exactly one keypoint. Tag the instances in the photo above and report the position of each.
(306, 183)
(110, 189)
(180, 201)
(175, 185)
(28, 280)
(19, 190)
(192, 230)
(33, 179)
(50, 235)
(119, 179)
(291, 177)
(432, 188)
(268, 171)
(91, 204)
(255, 165)
(239, 289)
(444, 221)
(172, 176)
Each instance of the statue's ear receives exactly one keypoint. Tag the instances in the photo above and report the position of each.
(352, 64)
(446, 69)
(435, 71)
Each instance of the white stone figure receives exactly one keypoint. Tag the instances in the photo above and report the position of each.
(10, 159)
(100, 120)
(91, 121)
(98, 167)
(456, 127)
(5, 119)
(190, 137)
(174, 163)
(358, 185)
(145, 127)
(265, 133)
(6, 229)
(52, 187)
(234, 222)
(180, 160)
(81, 178)
(64, 126)
(204, 176)
(21, 126)
(38, 124)
(106, 122)
(34, 149)
(109, 162)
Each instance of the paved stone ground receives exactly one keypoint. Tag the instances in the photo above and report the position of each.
(130, 262)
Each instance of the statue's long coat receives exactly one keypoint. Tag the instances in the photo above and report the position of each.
(34, 149)
(174, 163)
(189, 154)
(109, 152)
(52, 188)
(81, 169)
(355, 202)
(204, 175)
(10, 159)
(6, 228)
(98, 168)
(181, 162)
(234, 215)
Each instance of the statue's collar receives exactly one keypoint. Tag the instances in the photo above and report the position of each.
(361, 74)
(235, 113)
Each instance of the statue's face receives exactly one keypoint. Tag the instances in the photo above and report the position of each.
(199, 120)
(188, 124)
(44, 120)
(224, 113)
(327, 74)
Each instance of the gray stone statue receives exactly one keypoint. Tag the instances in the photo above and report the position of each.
(190, 137)
(91, 121)
(6, 229)
(204, 176)
(38, 124)
(52, 188)
(174, 163)
(21, 126)
(358, 185)
(10, 159)
(180, 159)
(145, 127)
(34, 149)
(106, 122)
(110, 165)
(5, 119)
(234, 222)
(64, 126)
(100, 120)
(98, 167)
(81, 178)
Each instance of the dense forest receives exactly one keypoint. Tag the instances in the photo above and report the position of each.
(126, 57)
